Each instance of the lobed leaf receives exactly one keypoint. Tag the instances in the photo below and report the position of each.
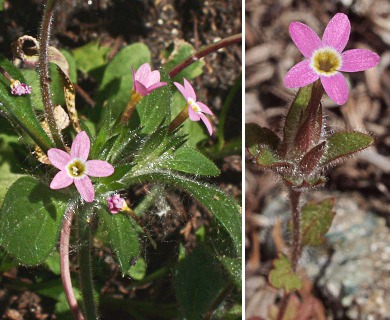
(30, 220)
(283, 277)
(316, 219)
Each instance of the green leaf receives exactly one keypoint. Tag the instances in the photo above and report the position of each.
(316, 220)
(266, 158)
(283, 277)
(234, 268)
(345, 143)
(53, 263)
(1, 5)
(256, 136)
(30, 220)
(178, 52)
(138, 271)
(223, 207)
(9, 171)
(123, 236)
(199, 281)
(91, 56)
(72, 65)
(19, 107)
(189, 160)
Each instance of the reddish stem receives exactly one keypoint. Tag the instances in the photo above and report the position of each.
(237, 38)
(64, 259)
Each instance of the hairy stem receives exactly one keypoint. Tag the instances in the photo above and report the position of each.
(64, 262)
(85, 266)
(180, 118)
(204, 51)
(296, 221)
(44, 72)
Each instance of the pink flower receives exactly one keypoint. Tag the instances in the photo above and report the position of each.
(325, 58)
(195, 108)
(75, 167)
(145, 80)
(115, 203)
(18, 89)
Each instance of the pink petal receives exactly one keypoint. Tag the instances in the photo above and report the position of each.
(300, 75)
(207, 123)
(58, 158)
(153, 78)
(143, 72)
(181, 89)
(156, 85)
(61, 180)
(80, 146)
(189, 90)
(336, 88)
(203, 107)
(140, 88)
(193, 115)
(337, 32)
(304, 38)
(358, 60)
(85, 188)
(99, 168)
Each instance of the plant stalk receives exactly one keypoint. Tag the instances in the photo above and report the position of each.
(296, 221)
(64, 262)
(180, 118)
(204, 51)
(44, 77)
(84, 240)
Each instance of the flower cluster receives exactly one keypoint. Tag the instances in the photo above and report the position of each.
(325, 58)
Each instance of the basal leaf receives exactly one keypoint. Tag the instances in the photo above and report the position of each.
(20, 108)
(345, 143)
(30, 220)
(91, 56)
(316, 220)
(189, 160)
(123, 236)
(283, 277)
(199, 280)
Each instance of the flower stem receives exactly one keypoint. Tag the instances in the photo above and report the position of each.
(180, 118)
(44, 72)
(135, 98)
(85, 266)
(204, 51)
(296, 221)
(64, 262)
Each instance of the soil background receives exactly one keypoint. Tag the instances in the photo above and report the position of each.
(157, 23)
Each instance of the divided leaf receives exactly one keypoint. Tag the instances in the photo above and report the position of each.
(283, 277)
(345, 143)
(316, 220)
(30, 220)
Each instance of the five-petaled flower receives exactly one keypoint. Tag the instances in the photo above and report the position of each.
(116, 203)
(76, 168)
(18, 88)
(325, 58)
(195, 108)
(145, 80)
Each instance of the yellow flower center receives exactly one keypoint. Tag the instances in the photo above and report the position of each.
(193, 105)
(76, 168)
(326, 61)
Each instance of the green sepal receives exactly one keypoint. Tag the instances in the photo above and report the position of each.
(345, 143)
(30, 220)
(283, 277)
(19, 108)
(316, 219)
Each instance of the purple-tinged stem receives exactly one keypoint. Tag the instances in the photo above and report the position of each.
(237, 38)
(44, 73)
(296, 221)
(64, 261)
(180, 118)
